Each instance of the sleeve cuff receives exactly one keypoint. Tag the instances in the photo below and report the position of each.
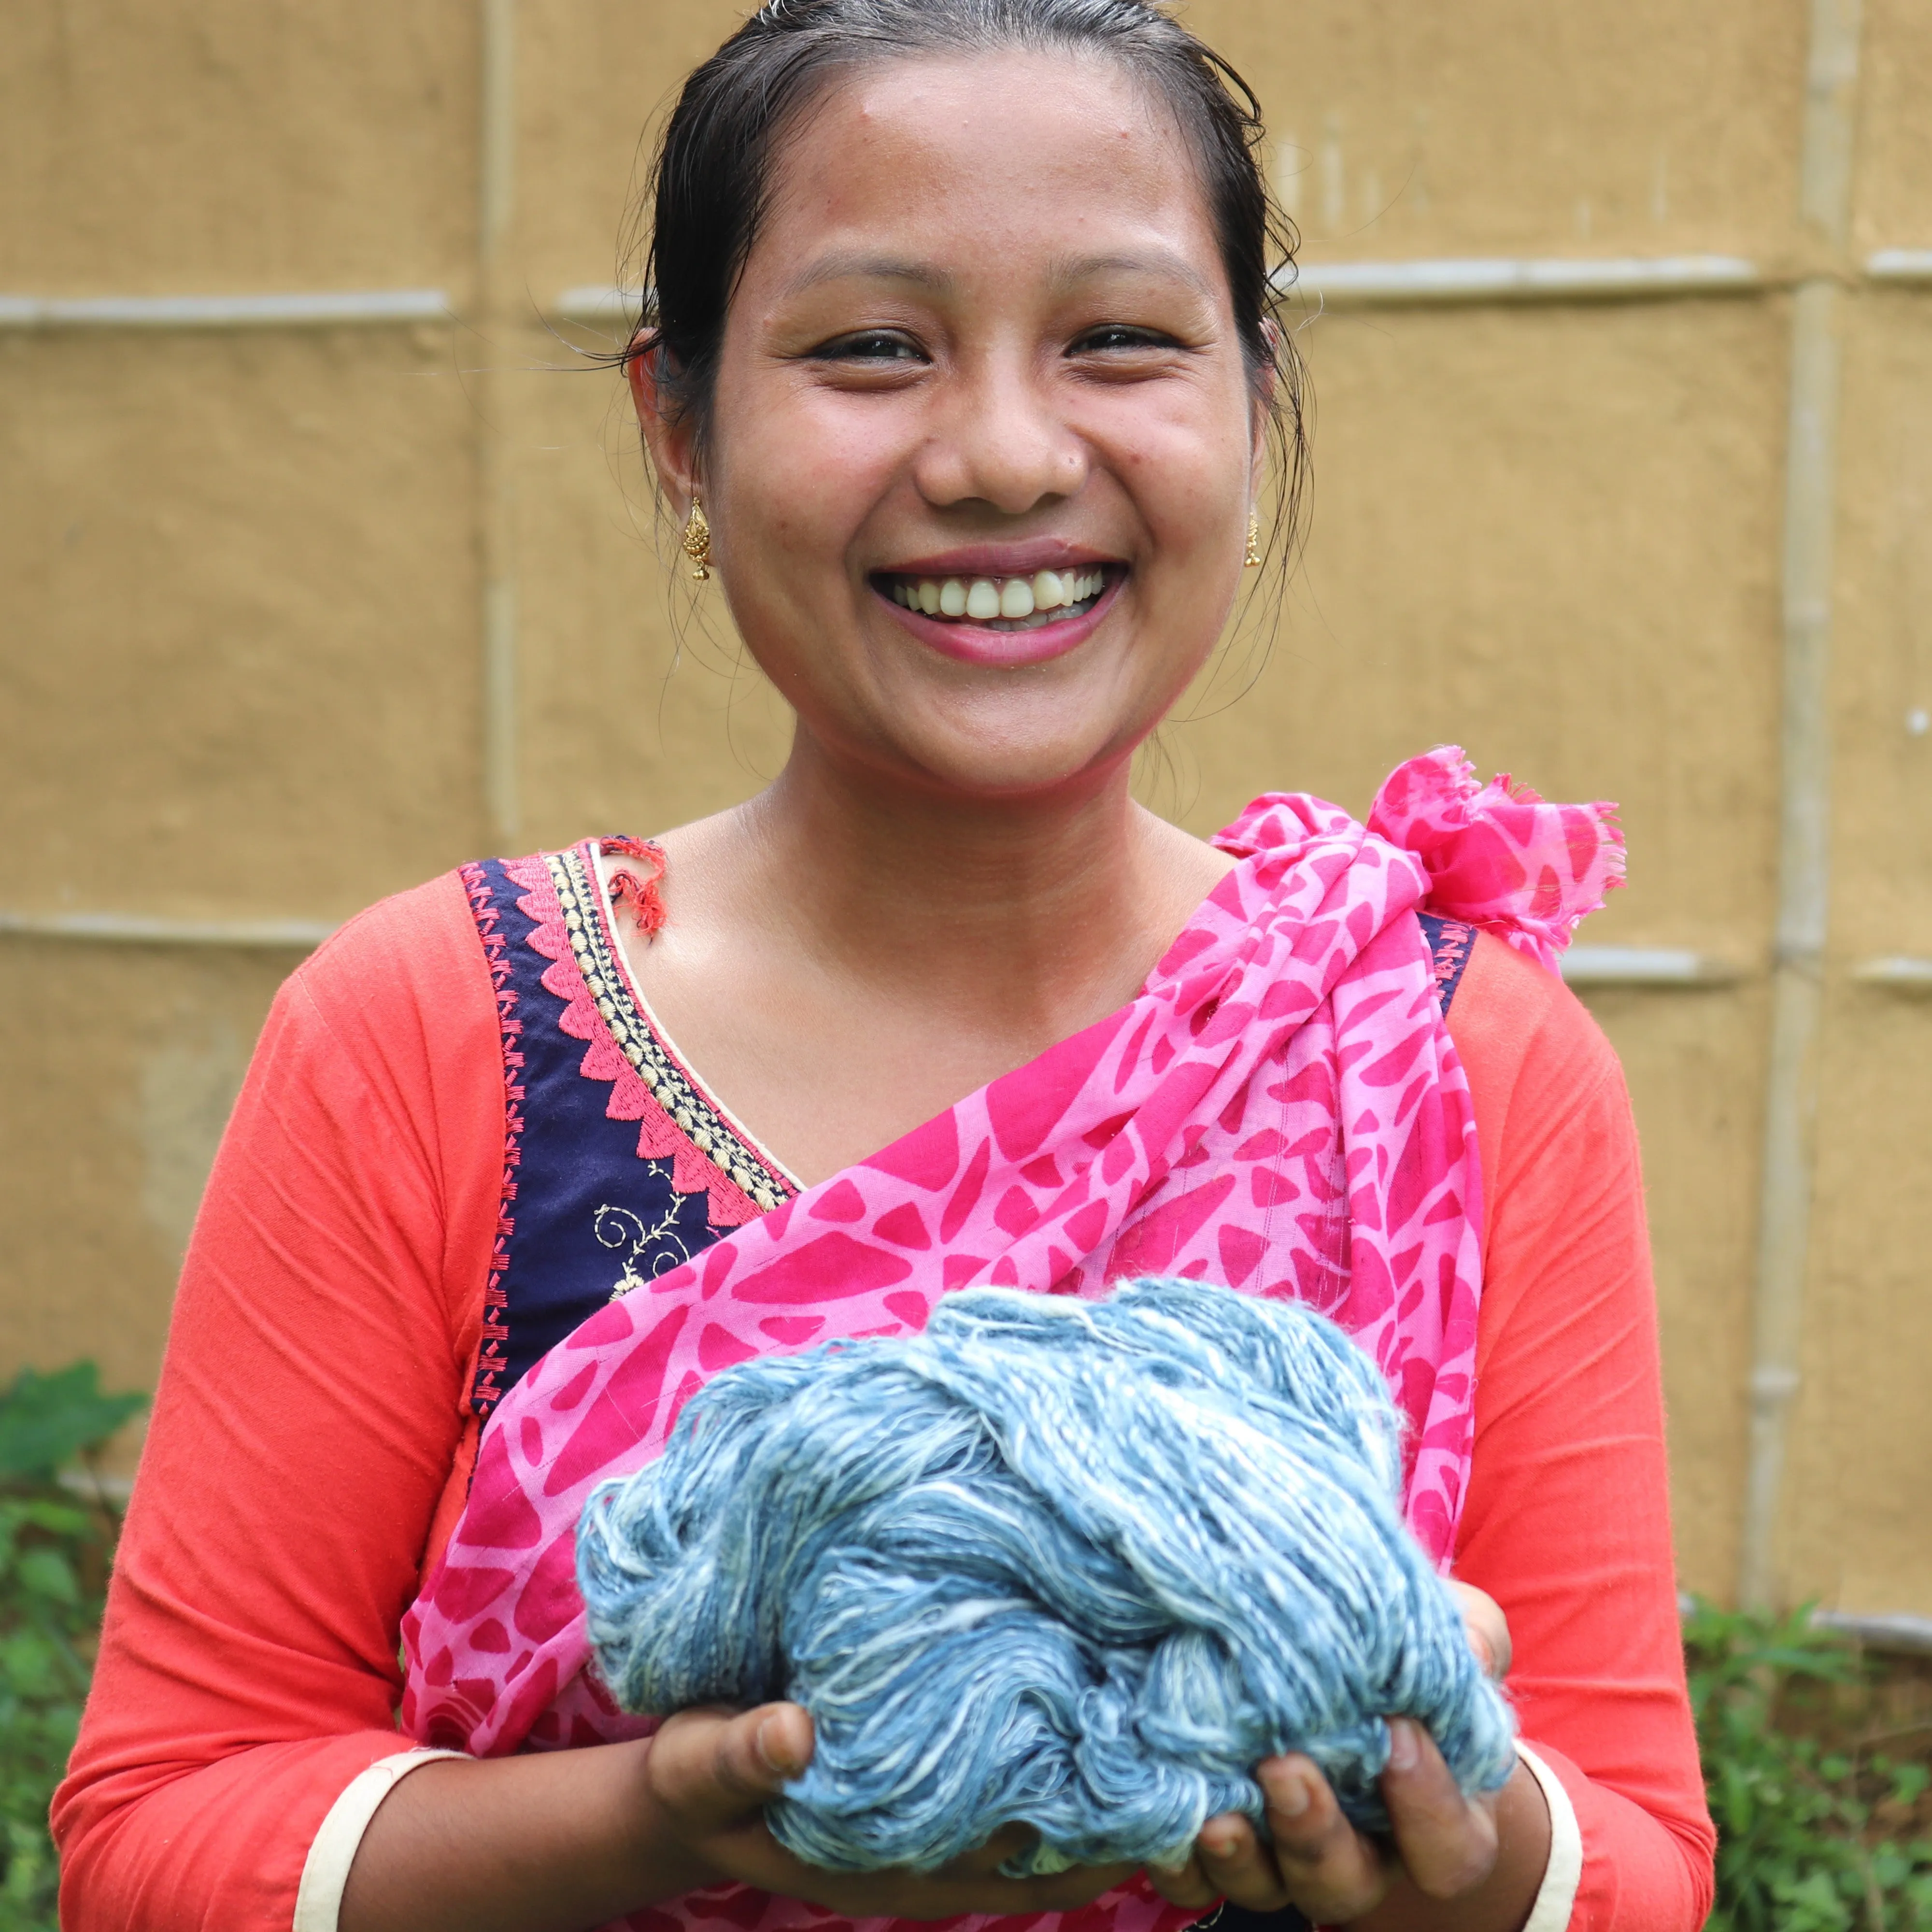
(325, 1871)
(1557, 1896)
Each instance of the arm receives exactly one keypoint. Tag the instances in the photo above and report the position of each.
(1567, 1521)
(556, 1842)
(307, 1421)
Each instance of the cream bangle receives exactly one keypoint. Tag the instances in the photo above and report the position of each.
(1556, 1897)
(332, 1851)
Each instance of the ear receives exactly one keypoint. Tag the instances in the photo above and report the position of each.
(1267, 381)
(667, 435)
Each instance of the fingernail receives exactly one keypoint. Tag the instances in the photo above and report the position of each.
(774, 1750)
(1218, 1844)
(1291, 1798)
(1402, 1744)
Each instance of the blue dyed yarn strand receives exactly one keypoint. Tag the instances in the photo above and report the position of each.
(1080, 1565)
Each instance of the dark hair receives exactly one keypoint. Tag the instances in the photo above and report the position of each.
(711, 183)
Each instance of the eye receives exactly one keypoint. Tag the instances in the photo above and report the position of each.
(876, 347)
(1114, 338)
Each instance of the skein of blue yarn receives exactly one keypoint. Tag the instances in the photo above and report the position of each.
(1078, 1565)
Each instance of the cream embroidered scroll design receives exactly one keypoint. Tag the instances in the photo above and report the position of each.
(619, 1227)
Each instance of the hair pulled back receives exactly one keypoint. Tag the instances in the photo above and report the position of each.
(712, 182)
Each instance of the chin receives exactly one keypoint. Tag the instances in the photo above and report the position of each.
(967, 767)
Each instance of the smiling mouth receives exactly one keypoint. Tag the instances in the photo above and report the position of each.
(1002, 603)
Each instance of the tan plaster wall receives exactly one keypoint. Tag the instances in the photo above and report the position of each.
(1893, 208)
(240, 675)
(236, 144)
(1517, 127)
(1864, 1427)
(240, 583)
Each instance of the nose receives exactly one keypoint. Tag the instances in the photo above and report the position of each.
(1001, 437)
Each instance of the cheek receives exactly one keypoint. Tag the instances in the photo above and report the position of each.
(807, 471)
(1187, 469)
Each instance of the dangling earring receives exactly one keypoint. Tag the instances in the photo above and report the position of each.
(1252, 561)
(698, 543)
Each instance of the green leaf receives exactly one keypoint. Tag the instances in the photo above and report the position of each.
(57, 1519)
(47, 1573)
(46, 1420)
(30, 1663)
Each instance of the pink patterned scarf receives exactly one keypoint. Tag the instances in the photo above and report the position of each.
(1280, 1109)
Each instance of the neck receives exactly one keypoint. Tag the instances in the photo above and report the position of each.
(1009, 909)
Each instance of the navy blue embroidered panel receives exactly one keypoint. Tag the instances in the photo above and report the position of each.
(587, 1215)
(592, 1206)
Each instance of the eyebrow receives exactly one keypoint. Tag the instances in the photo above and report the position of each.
(856, 264)
(1072, 269)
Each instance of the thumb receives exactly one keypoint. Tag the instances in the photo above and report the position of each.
(712, 1768)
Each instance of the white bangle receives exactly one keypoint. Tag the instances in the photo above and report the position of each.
(1556, 1897)
(332, 1851)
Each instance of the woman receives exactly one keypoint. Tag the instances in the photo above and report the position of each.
(959, 377)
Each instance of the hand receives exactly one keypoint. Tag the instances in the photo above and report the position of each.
(1446, 1844)
(710, 1774)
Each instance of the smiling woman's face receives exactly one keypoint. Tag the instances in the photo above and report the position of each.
(984, 442)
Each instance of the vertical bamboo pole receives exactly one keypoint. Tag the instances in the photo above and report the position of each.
(1784, 1215)
(496, 165)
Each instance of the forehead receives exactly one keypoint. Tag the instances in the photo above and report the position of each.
(1017, 150)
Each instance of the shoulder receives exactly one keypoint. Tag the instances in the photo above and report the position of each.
(400, 993)
(419, 938)
(1562, 1182)
(1534, 1056)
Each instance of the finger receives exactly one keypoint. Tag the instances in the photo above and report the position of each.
(1185, 1884)
(1238, 1866)
(712, 1769)
(1486, 1627)
(1447, 1842)
(1328, 1868)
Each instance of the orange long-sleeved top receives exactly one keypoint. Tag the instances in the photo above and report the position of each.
(311, 1440)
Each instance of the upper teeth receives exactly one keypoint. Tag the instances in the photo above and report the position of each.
(986, 598)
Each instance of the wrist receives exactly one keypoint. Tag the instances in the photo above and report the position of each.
(666, 1856)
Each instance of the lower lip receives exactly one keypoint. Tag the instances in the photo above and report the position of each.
(1005, 650)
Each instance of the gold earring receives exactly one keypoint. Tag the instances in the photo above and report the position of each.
(1252, 561)
(698, 543)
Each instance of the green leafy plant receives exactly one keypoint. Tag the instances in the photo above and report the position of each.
(1816, 1831)
(56, 1539)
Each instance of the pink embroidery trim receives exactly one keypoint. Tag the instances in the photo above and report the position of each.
(483, 1392)
(660, 1137)
(1454, 954)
